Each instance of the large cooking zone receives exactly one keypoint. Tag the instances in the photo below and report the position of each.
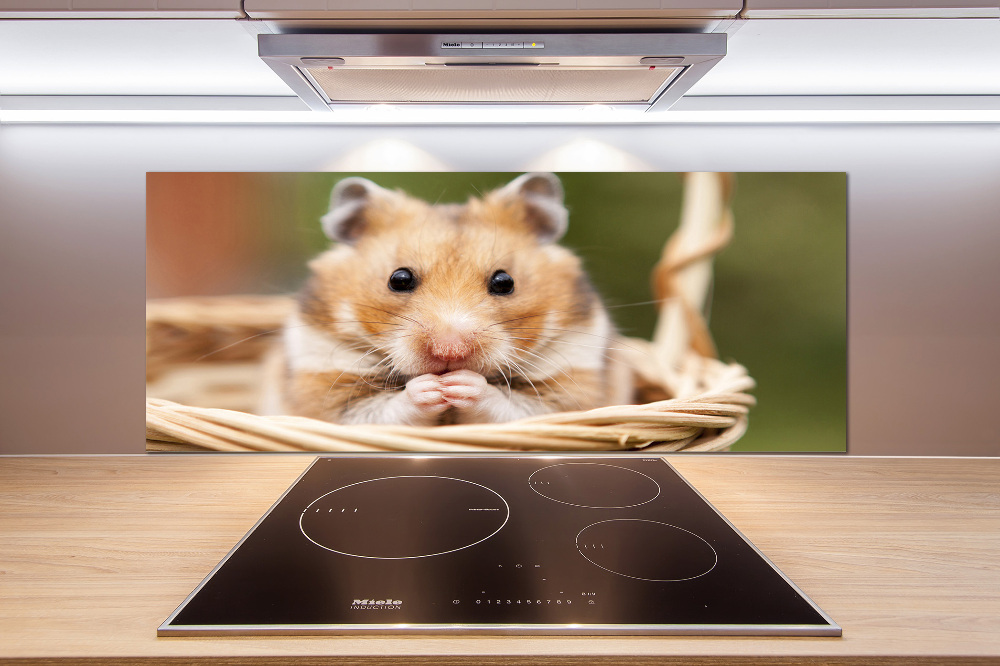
(495, 544)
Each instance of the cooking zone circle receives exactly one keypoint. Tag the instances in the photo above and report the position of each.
(594, 485)
(404, 517)
(646, 550)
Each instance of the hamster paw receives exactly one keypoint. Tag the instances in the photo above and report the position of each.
(425, 395)
(467, 390)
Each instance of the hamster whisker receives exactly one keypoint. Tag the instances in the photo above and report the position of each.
(494, 364)
(545, 342)
(507, 321)
(546, 345)
(391, 314)
(392, 377)
(551, 383)
(551, 380)
(377, 373)
(584, 310)
(543, 313)
(524, 375)
(656, 301)
(247, 339)
(614, 341)
(336, 380)
(493, 360)
(257, 335)
(481, 349)
(380, 349)
(390, 328)
(348, 321)
(373, 372)
(363, 379)
(238, 342)
(510, 389)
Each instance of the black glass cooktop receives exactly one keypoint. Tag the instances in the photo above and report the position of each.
(497, 544)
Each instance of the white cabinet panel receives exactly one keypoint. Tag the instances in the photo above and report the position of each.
(871, 8)
(120, 9)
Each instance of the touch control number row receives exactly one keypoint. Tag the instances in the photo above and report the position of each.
(513, 602)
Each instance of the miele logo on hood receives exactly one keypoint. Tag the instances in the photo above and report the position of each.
(376, 604)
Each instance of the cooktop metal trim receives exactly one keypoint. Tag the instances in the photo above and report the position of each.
(507, 629)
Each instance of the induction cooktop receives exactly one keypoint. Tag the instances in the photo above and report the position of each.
(495, 545)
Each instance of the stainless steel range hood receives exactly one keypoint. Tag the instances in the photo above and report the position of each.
(649, 71)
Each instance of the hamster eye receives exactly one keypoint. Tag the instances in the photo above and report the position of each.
(402, 279)
(501, 283)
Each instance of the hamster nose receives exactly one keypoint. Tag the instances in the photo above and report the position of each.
(450, 346)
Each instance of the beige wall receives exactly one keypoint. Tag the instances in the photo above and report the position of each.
(924, 230)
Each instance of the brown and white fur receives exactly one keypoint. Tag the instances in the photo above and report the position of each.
(451, 349)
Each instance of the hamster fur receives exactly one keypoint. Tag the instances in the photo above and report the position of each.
(426, 314)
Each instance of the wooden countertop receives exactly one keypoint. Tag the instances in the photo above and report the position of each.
(904, 553)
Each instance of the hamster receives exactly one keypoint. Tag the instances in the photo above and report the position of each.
(425, 314)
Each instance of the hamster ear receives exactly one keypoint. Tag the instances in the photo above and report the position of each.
(541, 194)
(345, 222)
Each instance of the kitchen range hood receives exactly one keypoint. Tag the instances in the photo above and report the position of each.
(647, 71)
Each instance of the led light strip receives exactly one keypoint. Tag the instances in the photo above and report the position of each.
(690, 110)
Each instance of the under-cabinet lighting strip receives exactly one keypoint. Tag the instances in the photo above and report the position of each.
(689, 110)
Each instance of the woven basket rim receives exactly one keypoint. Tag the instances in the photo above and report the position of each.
(709, 420)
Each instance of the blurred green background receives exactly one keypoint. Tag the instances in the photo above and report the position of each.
(779, 302)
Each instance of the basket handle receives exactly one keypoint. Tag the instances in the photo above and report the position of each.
(682, 278)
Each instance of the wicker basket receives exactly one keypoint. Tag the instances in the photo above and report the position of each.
(204, 369)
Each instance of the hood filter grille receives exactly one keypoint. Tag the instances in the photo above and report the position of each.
(492, 84)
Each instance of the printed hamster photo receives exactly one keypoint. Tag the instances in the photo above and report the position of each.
(426, 299)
